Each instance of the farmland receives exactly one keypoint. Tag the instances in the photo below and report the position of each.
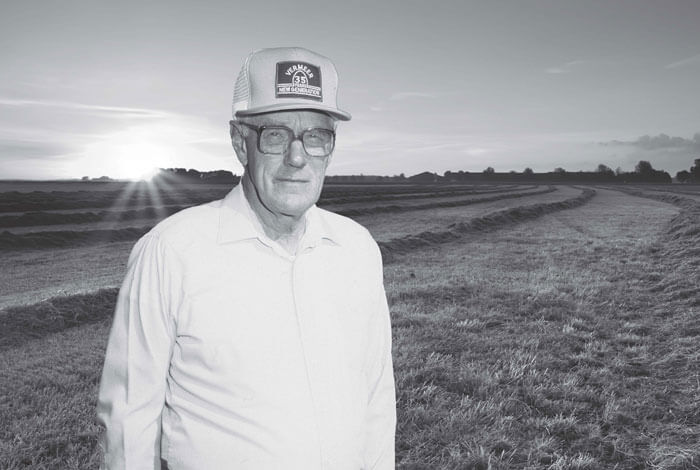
(534, 326)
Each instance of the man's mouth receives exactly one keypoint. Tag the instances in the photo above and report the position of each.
(292, 180)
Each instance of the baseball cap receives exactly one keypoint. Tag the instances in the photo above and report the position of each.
(284, 78)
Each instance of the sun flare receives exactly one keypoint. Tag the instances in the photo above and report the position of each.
(131, 155)
(137, 152)
(139, 160)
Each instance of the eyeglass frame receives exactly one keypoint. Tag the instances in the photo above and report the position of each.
(299, 137)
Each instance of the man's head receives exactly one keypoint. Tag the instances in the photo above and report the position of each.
(285, 155)
(283, 129)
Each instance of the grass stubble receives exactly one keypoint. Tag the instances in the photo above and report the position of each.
(566, 342)
(570, 342)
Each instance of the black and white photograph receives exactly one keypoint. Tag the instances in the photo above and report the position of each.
(451, 235)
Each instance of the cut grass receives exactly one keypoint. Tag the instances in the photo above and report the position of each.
(558, 343)
(69, 238)
(43, 218)
(414, 206)
(28, 277)
(24, 323)
(488, 222)
(33, 275)
(138, 195)
(47, 406)
(542, 347)
(386, 227)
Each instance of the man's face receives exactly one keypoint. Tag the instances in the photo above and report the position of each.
(291, 182)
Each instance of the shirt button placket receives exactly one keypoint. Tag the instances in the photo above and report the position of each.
(298, 290)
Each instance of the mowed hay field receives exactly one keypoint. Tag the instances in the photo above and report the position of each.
(534, 327)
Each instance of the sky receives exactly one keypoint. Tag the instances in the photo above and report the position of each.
(92, 88)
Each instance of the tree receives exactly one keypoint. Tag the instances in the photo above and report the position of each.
(528, 171)
(695, 170)
(683, 176)
(559, 170)
(604, 169)
(662, 176)
(489, 171)
(644, 168)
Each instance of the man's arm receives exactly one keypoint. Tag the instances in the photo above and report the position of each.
(381, 412)
(132, 388)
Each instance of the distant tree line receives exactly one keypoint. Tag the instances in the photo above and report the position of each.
(182, 175)
(643, 173)
(366, 179)
(692, 176)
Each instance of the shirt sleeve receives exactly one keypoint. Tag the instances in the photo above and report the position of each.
(381, 413)
(132, 389)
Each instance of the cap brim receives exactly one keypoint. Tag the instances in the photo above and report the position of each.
(335, 112)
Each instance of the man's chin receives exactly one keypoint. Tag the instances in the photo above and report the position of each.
(293, 208)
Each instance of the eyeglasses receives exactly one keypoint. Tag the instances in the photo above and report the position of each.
(317, 141)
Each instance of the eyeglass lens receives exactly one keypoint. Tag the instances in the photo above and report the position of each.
(317, 142)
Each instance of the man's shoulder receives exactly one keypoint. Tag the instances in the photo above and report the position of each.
(197, 223)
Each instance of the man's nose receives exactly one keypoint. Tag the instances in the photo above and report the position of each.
(296, 155)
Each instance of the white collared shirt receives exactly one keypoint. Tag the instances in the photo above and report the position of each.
(249, 357)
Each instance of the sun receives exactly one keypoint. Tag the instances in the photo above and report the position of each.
(135, 154)
(140, 160)
(138, 152)
(142, 168)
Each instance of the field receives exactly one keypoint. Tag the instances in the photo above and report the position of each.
(534, 327)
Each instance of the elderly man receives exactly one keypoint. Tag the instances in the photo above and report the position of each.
(253, 332)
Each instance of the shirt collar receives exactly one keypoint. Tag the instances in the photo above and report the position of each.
(237, 222)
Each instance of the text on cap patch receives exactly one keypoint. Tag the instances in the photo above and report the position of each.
(298, 80)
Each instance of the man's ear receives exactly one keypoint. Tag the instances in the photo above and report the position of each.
(238, 142)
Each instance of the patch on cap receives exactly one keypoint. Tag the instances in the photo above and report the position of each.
(298, 80)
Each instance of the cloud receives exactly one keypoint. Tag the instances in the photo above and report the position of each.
(47, 139)
(32, 150)
(565, 68)
(684, 62)
(116, 111)
(660, 142)
(663, 151)
(51, 130)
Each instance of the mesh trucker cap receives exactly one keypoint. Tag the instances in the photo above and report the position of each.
(284, 78)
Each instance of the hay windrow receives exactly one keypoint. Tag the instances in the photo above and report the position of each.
(68, 238)
(28, 322)
(683, 232)
(438, 205)
(73, 238)
(44, 216)
(491, 221)
(678, 249)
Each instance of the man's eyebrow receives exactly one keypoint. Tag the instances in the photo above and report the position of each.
(291, 126)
